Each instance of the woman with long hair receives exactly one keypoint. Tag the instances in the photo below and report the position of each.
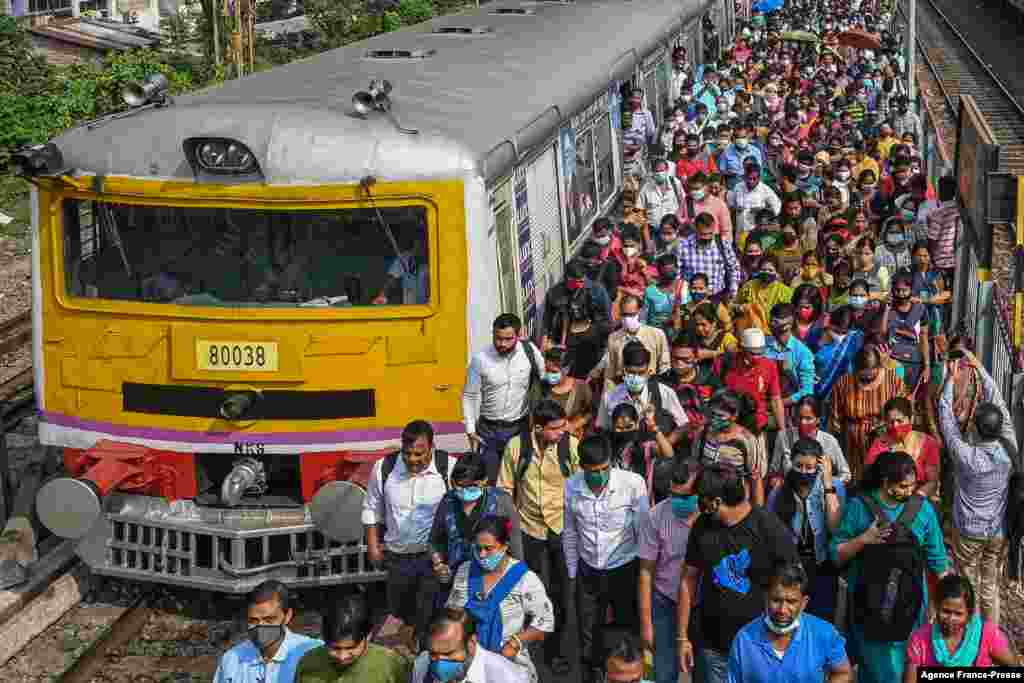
(810, 503)
(630, 451)
(507, 601)
(857, 402)
(887, 606)
(959, 637)
(836, 349)
(900, 435)
(809, 302)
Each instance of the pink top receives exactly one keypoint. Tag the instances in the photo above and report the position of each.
(921, 653)
(663, 538)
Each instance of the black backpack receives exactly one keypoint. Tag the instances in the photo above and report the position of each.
(889, 592)
(526, 457)
(391, 459)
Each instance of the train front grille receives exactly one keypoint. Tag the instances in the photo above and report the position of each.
(228, 559)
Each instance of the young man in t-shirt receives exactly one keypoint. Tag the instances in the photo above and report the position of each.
(732, 550)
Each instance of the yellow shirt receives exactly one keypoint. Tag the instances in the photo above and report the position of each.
(886, 144)
(541, 500)
(868, 164)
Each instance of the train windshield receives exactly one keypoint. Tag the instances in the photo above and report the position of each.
(246, 257)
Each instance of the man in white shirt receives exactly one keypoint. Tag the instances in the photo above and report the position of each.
(454, 654)
(603, 508)
(272, 652)
(637, 388)
(749, 197)
(661, 195)
(402, 495)
(496, 398)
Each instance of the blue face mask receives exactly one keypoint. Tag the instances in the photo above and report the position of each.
(697, 297)
(552, 377)
(858, 301)
(445, 670)
(489, 563)
(635, 383)
(683, 506)
(597, 479)
(468, 494)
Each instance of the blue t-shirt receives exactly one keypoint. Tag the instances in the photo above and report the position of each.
(815, 649)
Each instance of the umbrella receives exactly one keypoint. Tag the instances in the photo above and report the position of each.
(799, 36)
(767, 6)
(861, 40)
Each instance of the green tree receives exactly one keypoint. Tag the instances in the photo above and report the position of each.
(21, 70)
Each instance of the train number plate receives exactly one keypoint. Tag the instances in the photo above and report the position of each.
(236, 356)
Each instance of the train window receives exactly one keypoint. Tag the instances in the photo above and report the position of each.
(587, 202)
(246, 257)
(605, 159)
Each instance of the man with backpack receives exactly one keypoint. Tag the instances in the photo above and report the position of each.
(402, 495)
(501, 384)
(985, 466)
(641, 387)
(534, 469)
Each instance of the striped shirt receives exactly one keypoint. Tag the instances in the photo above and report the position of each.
(983, 470)
(663, 538)
(943, 226)
(527, 604)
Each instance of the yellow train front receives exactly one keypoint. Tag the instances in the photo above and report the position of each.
(240, 297)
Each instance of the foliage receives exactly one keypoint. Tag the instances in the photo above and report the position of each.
(21, 71)
(415, 11)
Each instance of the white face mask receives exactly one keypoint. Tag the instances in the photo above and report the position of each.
(843, 175)
(630, 252)
(631, 322)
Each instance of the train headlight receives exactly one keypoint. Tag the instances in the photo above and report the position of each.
(221, 156)
(153, 90)
(38, 160)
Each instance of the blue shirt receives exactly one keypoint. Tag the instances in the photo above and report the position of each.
(797, 361)
(243, 663)
(815, 649)
(731, 160)
(815, 514)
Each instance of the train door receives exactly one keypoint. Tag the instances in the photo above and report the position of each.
(502, 216)
(545, 221)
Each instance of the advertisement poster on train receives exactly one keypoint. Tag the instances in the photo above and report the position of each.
(615, 104)
(567, 143)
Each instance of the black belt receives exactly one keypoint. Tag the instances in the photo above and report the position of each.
(503, 424)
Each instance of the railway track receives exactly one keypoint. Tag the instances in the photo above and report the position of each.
(958, 69)
(16, 397)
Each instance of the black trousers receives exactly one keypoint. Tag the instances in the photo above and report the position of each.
(546, 559)
(596, 590)
(412, 589)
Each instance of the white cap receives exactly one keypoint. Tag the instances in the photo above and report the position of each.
(752, 338)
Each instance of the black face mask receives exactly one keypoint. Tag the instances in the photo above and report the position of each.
(669, 275)
(624, 438)
(797, 478)
(264, 635)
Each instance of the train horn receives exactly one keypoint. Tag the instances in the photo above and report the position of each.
(152, 89)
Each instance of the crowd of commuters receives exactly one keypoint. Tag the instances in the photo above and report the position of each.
(748, 444)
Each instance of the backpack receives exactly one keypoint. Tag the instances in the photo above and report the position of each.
(890, 591)
(526, 457)
(533, 393)
(391, 459)
(726, 293)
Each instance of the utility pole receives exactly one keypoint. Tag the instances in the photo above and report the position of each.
(912, 55)
(215, 20)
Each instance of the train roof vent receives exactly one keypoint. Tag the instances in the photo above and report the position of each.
(464, 31)
(514, 11)
(395, 55)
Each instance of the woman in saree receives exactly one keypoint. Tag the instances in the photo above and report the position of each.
(838, 345)
(857, 402)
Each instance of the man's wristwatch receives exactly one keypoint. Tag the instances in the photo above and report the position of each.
(831, 489)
